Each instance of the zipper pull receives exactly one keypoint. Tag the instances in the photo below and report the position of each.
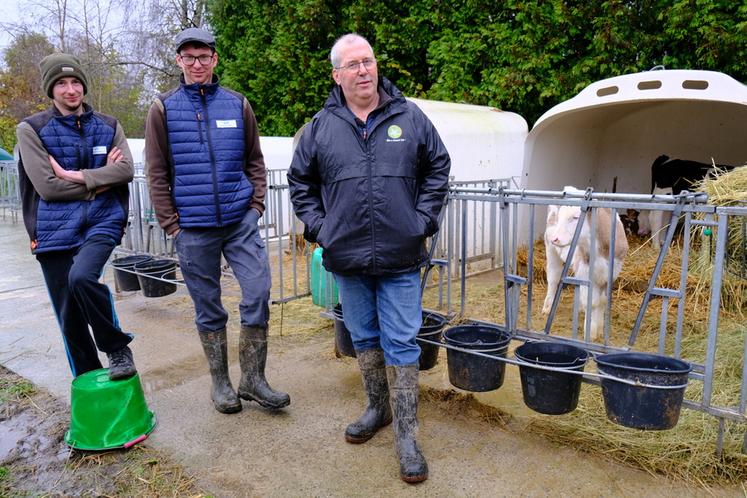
(365, 134)
(199, 116)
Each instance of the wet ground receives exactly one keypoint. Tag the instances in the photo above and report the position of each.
(299, 451)
(35, 461)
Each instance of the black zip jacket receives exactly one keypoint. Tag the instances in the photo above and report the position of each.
(370, 201)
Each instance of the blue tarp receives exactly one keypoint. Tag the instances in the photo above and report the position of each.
(5, 155)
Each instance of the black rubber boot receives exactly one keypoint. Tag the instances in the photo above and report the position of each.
(253, 358)
(216, 351)
(403, 389)
(378, 413)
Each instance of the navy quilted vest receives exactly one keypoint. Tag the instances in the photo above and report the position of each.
(78, 142)
(206, 135)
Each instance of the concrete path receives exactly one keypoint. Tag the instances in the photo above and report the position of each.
(300, 451)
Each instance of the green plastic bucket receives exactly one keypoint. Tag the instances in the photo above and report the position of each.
(106, 414)
(323, 286)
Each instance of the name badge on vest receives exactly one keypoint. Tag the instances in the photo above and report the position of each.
(225, 123)
(99, 150)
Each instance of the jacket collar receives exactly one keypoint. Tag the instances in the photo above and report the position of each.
(389, 98)
(208, 88)
(87, 113)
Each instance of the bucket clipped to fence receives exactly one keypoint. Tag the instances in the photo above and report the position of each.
(127, 281)
(149, 274)
(106, 414)
(640, 407)
(552, 392)
(343, 341)
(472, 372)
(431, 329)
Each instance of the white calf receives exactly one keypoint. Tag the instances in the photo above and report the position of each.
(652, 222)
(561, 225)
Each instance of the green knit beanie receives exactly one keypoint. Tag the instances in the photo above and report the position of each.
(59, 65)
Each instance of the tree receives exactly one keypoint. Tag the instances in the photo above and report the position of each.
(20, 83)
(151, 30)
(84, 29)
(523, 56)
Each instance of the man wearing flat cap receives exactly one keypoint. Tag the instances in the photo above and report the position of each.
(207, 181)
(74, 170)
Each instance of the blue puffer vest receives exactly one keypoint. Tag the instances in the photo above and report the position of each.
(206, 136)
(77, 143)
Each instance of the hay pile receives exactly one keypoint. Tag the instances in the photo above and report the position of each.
(725, 189)
(687, 452)
(634, 276)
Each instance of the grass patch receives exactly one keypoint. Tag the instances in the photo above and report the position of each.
(15, 389)
(4, 475)
(141, 471)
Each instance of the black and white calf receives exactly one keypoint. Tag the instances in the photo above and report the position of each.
(671, 177)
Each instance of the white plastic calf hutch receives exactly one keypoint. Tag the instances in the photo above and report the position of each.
(483, 142)
(615, 128)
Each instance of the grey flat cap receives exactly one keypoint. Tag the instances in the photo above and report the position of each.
(194, 35)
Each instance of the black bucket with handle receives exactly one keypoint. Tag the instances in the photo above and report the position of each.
(150, 274)
(127, 281)
(343, 341)
(472, 372)
(431, 330)
(552, 392)
(654, 406)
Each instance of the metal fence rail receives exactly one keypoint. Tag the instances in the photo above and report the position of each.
(486, 224)
(521, 222)
(10, 196)
(289, 256)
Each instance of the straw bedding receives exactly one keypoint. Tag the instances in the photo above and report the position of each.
(688, 451)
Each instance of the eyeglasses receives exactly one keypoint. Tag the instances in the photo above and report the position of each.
(189, 60)
(353, 66)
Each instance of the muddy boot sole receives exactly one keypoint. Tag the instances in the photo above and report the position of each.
(263, 403)
(414, 479)
(362, 438)
(228, 409)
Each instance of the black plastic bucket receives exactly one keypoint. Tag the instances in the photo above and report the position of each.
(343, 341)
(548, 391)
(642, 407)
(150, 271)
(127, 281)
(431, 329)
(472, 372)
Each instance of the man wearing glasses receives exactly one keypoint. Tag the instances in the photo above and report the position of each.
(207, 181)
(368, 179)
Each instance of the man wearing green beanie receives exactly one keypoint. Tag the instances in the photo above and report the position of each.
(74, 169)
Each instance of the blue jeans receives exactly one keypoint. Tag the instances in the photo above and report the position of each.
(383, 312)
(199, 251)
